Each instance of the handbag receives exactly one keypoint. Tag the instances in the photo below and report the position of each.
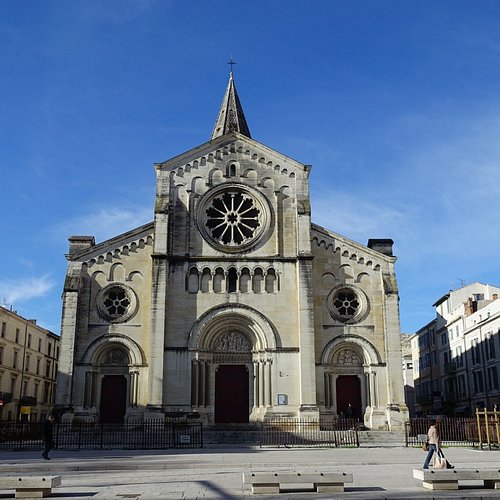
(425, 445)
(439, 461)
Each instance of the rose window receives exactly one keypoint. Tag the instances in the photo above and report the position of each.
(116, 303)
(348, 304)
(232, 218)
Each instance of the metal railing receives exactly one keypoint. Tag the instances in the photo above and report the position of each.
(454, 431)
(291, 432)
(89, 435)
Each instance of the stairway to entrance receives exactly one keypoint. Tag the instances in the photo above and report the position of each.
(231, 435)
(381, 439)
(249, 435)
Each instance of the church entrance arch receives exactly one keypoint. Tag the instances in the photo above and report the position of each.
(348, 372)
(231, 366)
(113, 366)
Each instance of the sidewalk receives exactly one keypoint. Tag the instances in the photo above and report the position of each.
(217, 473)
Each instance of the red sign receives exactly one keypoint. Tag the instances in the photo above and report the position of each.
(1, 402)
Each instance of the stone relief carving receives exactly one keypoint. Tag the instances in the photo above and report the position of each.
(232, 342)
(348, 357)
(115, 357)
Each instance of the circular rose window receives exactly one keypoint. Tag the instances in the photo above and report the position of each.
(348, 304)
(233, 218)
(116, 303)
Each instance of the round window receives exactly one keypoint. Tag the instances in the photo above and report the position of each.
(347, 304)
(116, 303)
(233, 218)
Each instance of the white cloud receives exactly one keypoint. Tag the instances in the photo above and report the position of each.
(104, 222)
(24, 289)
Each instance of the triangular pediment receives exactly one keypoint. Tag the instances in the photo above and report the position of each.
(232, 143)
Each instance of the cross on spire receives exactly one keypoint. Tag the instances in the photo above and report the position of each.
(231, 63)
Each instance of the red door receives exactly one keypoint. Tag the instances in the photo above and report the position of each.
(348, 388)
(231, 394)
(113, 399)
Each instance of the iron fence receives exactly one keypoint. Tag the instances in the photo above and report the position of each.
(90, 435)
(453, 431)
(309, 433)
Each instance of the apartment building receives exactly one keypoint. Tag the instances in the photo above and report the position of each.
(457, 354)
(28, 368)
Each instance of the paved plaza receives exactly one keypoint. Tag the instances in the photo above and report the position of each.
(217, 472)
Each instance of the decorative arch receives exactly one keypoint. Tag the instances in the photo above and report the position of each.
(234, 317)
(370, 353)
(99, 345)
(117, 272)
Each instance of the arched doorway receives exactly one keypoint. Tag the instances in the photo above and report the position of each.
(231, 394)
(347, 367)
(113, 399)
(230, 345)
(113, 367)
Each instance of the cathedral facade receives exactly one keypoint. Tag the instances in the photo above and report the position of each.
(231, 304)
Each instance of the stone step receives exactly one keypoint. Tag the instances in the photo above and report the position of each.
(250, 435)
(380, 439)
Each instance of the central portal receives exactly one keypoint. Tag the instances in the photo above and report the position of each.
(113, 399)
(349, 394)
(231, 394)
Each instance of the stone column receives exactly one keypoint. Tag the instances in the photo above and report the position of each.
(328, 394)
(194, 383)
(269, 391)
(256, 399)
(133, 393)
(261, 384)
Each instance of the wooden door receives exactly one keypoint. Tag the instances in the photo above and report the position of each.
(113, 399)
(231, 394)
(348, 389)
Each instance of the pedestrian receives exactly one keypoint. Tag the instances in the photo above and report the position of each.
(350, 411)
(434, 441)
(48, 436)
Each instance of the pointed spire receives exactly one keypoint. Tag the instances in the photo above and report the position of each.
(231, 117)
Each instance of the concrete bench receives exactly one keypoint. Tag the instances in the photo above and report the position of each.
(447, 479)
(30, 486)
(271, 482)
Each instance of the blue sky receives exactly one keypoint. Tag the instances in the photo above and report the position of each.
(396, 104)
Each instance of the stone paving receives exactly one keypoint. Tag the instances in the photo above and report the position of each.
(216, 473)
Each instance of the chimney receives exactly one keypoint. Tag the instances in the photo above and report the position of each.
(383, 246)
(470, 307)
(79, 243)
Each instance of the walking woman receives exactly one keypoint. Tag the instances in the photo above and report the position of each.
(434, 445)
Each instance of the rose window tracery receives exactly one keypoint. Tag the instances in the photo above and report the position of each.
(348, 304)
(232, 218)
(116, 303)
